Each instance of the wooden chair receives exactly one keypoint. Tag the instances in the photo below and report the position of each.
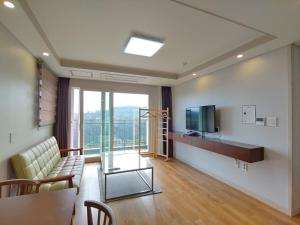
(19, 187)
(103, 209)
(68, 178)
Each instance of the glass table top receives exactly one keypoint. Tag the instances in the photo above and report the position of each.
(118, 162)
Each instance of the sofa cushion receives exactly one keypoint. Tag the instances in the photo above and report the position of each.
(65, 166)
(37, 162)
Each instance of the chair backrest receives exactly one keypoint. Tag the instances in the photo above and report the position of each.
(105, 214)
(19, 187)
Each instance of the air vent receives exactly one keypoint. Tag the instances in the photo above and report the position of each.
(117, 77)
(81, 74)
(108, 76)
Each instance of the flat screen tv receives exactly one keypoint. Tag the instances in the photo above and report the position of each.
(201, 119)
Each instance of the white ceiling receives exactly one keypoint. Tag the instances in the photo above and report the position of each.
(97, 32)
(88, 37)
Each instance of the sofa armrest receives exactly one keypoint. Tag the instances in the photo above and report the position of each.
(68, 178)
(64, 152)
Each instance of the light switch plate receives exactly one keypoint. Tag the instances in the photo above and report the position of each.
(272, 121)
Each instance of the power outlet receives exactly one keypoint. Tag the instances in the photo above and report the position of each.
(237, 163)
(245, 167)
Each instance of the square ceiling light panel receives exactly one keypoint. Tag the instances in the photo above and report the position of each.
(143, 46)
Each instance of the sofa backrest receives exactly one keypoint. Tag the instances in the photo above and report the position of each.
(37, 162)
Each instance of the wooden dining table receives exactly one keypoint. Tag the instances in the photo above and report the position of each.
(46, 208)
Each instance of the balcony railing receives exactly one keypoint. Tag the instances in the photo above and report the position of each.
(125, 135)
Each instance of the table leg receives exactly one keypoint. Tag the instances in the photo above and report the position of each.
(152, 179)
(105, 181)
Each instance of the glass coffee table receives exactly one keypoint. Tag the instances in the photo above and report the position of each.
(124, 175)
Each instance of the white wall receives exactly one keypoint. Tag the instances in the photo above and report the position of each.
(262, 81)
(18, 99)
(296, 128)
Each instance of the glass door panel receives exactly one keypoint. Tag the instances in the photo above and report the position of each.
(75, 118)
(125, 121)
(92, 122)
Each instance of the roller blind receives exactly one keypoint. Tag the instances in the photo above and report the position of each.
(47, 95)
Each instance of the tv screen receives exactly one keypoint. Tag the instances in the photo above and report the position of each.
(201, 119)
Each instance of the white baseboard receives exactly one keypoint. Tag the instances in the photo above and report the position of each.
(241, 189)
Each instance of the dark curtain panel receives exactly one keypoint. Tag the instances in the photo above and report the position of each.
(166, 94)
(61, 128)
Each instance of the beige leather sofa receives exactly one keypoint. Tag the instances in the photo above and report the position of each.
(45, 163)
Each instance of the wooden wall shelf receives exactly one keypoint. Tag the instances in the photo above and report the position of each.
(236, 150)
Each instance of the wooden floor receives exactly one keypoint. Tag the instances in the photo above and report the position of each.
(189, 197)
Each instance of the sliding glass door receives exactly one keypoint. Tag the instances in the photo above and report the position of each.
(109, 121)
(126, 112)
(92, 122)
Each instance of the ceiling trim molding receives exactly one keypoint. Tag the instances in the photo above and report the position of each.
(266, 37)
(116, 69)
(243, 48)
(17, 38)
(38, 27)
(180, 2)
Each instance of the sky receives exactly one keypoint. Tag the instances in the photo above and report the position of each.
(121, 99)
(92, 100)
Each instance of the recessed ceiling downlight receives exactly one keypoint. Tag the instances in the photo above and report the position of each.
(9, 4)
(45, 54)
(144, 46)
(239, 56)
(194, 74)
